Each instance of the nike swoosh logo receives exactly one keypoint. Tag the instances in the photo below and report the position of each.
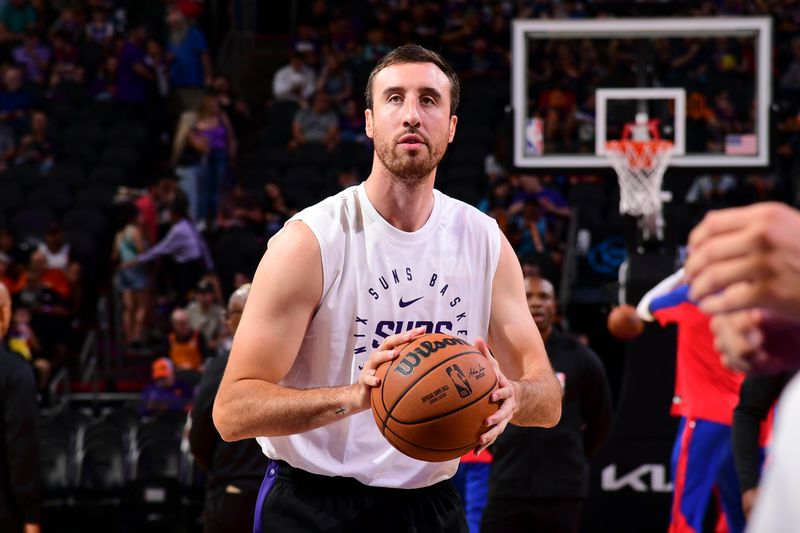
(406, 304)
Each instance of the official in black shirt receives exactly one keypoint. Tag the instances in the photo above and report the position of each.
(235, 469)
(20, 498)
(540, 477)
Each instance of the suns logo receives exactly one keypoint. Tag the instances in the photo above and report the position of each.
(407, 295)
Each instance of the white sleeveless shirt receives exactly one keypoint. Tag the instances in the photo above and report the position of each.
(378, 281)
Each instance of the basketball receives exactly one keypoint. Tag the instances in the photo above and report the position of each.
(434, 397)
(624, 323)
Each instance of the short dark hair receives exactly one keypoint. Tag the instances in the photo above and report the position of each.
(414, 53)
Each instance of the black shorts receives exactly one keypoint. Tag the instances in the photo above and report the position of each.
(293, 501)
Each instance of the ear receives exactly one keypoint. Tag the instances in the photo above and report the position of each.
(368, 123)
(453, 122)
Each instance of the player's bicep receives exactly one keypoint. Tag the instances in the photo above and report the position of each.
(285, 292)
(513, 336)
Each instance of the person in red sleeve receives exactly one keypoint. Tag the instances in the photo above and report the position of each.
(706, 394)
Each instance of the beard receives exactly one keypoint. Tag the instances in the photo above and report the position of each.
(409, 168)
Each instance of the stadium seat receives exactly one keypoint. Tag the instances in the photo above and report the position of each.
(32, 222)
(69, 174)
(86, 220)
(96, 196)
(107, 175)
(55, 197)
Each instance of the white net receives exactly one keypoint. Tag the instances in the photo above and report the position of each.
(640, 167)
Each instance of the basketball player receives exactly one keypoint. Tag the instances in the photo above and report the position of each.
(706, 394)
(744, 268)
(340, 287)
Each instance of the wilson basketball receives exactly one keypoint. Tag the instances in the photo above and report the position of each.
(434, 397)
(624, 323)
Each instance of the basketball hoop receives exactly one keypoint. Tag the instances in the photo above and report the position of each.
(640, 167)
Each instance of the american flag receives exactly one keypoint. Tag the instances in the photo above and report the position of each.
(741, 144)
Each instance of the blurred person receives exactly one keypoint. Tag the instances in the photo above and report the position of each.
(317, 124)
(22, 340)
(213, 136)
(36, 147)
(154, 60)
(187, 159)
(133, 282)
(742, 269)
(706, 394)
(235, 469)
(15, 100)
(20, 497)
(335, 80)
(187, 349)
(103, 87)
(34, 57)
(711, 189)
(352, 124)
(6, 270)
(164, 392)
(240, 209)
(68, 23)
(48, 294)
(58, 256)
(206, 316)
(294, 82)
(187, 248)
(276, 207)
(190, 63)
(16, 18)
(133, 75)
(229, 103)
(99, 29)
(539, 478)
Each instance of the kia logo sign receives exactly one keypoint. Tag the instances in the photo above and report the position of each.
(645, 478)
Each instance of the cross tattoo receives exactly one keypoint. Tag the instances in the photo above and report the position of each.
(340, 411)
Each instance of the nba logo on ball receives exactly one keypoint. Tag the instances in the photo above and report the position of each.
(459, 380)
(534, 137)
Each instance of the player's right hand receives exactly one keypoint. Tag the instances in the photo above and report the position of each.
(367, 378)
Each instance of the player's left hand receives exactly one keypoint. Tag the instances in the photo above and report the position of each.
(504, 394)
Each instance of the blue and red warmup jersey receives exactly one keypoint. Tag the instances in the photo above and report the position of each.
(704, 388)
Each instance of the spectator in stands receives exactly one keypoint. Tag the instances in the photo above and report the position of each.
(22, 340)
(104, 86)
(58, 257)
(352, 124)
(335, 80)
(187, 348)
(206, 316)
(277, 208)
(48, 293)
(99, 29)
(213, 136)
(187, 248)
(68, 24)
(711, 189)
(318, 124)
(20, 499)
(165, 392)
(17, 17)
(133, 282)
(240, 209)
(15, 100)
(133, 75)
(187, 158)
(235, 469)
(34, 57)
(190, 64)
(36, 146)
(294, 82)
(234, 107)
